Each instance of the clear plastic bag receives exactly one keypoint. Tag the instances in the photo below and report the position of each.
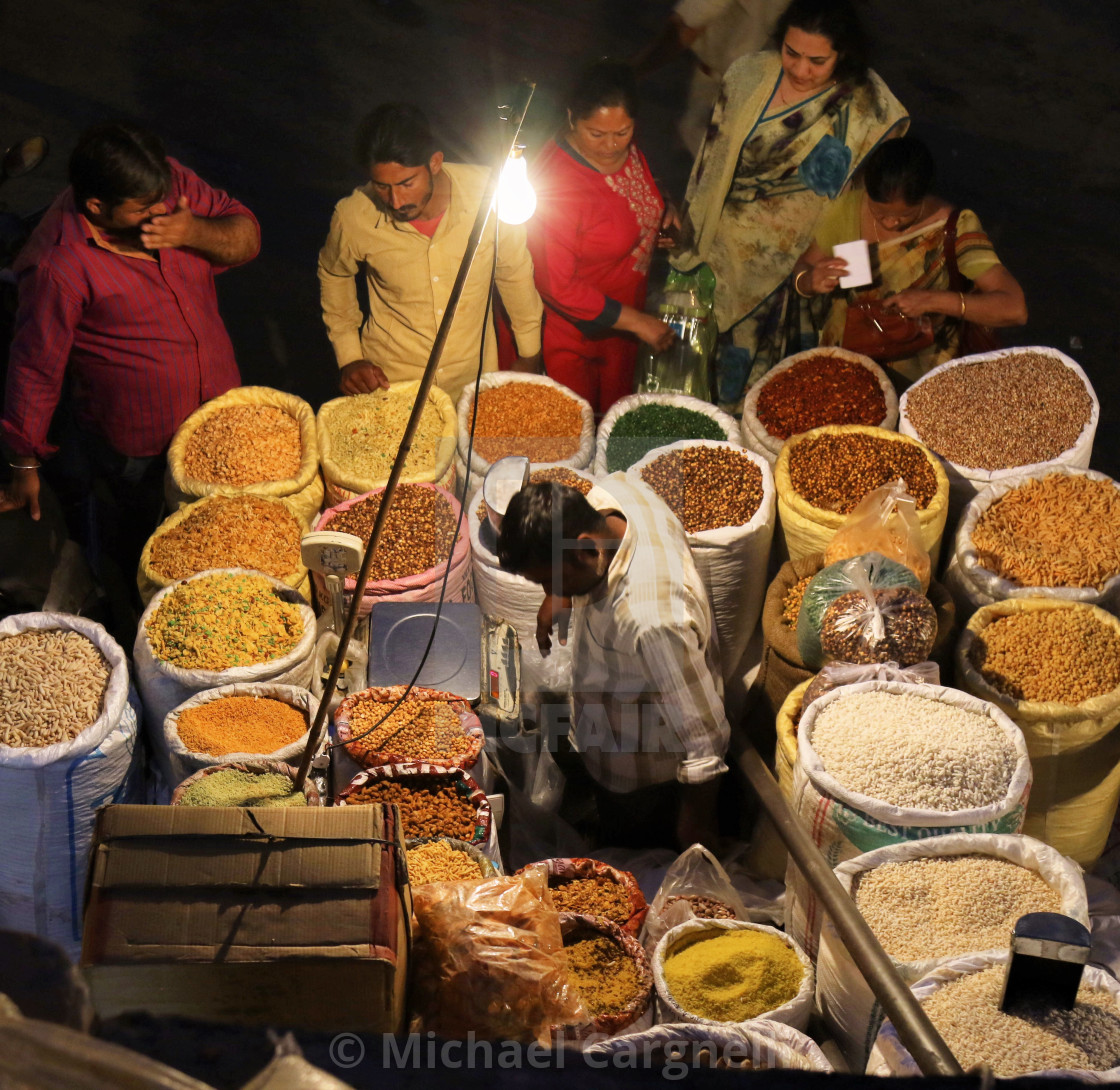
(868, 624)
(835, 674)
(885, 521)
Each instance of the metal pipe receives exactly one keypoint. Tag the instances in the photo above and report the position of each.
(915, 1030)
(484, 209)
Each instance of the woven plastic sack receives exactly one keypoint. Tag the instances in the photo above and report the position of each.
(304, 491)
(808, 529)
(965, 482)
(890, 1056)
(177, 762)
(563, 870)
(681, 401)
(470, 477)
(422, 587)
(1074, 748)
(148, 580)
(848, 1004)
(793, 1013)
(164, 686)
(844, 823)
(761, 1045)
(973, 585)
(758, 439)
(49, 796)
(257, 767)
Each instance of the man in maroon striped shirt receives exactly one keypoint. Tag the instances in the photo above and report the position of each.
(117, 305)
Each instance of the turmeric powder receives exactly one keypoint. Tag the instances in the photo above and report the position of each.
(732, 975)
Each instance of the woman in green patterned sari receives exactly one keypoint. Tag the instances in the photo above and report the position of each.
(789, 129)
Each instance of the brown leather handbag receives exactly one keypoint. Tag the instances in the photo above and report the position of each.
(884, 335)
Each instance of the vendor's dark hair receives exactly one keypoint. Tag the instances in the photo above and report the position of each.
(838, 22)
(605, 82)
(899, 168)
(116, 162)
(395, 132)
(542, 519)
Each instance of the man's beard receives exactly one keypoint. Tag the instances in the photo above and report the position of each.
(408, 212)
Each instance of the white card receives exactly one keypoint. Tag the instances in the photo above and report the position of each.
(858, 256)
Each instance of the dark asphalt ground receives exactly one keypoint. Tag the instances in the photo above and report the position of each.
(1017, 100)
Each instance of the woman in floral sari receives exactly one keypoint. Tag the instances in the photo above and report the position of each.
(911, 231)
(787, 132)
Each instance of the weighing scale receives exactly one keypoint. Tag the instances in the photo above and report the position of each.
(334, 556)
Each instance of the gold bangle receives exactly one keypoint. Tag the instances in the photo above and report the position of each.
(796, 287)
(37, 465)
(961, 294)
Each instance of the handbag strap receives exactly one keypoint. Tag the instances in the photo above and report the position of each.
(957, 280)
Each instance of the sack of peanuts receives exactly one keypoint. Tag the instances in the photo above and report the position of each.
(1054, 667)
(929, 901)
(220, 627)
(883, 761)
(243, 531)
(359, 436)
(635, 425)
(250, 439)
(246, 721)
(67, 742)
(1053, 533)
(814, 388)
(724, 498)
(529, 415)
(422, 535)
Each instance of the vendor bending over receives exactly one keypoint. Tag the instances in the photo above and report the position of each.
(647, 697)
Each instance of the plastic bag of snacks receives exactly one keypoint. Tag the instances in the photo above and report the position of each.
(835, 674)
(592, 888)
(885, 521)
(490, 960)
(876, 625)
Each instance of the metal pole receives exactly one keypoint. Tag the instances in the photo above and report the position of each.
(389, 493)
(914, 1028)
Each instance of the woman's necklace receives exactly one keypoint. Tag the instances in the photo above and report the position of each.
(875, 223)
(781, 95)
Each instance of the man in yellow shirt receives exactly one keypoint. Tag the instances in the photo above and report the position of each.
(407, 230)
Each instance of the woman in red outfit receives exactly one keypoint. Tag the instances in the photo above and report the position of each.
(598, 218)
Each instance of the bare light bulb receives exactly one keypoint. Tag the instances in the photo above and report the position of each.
(516, 199)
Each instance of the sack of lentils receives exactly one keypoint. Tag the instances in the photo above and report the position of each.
(432, 726)
(245, 531)
(718, 971)
(263, 719)
(592, 888)
(423, 530)
(1002, 414)
(1050, 534)
(251, 439)
(1054, 668)
(884, 761)
(929, 901)
(962, 999)
(528, 415)
(219, 627)
(637, 424)
(359, 436)
(814, 388)
(67, 740)
(433, 801)
(516, 600)
(246, 783)
(822, 475)
(724, 498)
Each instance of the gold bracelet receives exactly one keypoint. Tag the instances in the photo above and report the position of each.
(797, 281)
(961, 294)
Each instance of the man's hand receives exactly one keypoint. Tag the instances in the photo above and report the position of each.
(362, 377)
(554, 610)
(529, 365)
(22, 491)
(697, 821)
(171, 231)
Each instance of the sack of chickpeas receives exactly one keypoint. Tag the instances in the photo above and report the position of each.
(881, 762)
(519, 414)
(1054, 668)
(929, 901)
(250, 439)
(359, 436)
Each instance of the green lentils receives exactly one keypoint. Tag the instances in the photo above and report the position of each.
(236, 787)
(640, 430)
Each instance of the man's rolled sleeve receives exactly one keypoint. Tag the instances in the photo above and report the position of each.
(514, 279)
(211, 203)
(338, 294)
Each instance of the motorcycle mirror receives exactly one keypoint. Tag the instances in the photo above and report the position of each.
(24, 157)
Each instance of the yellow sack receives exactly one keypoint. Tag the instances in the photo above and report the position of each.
(149, 581)
(304, 491)
(1074, 748)
(342, 485)
(810, 529)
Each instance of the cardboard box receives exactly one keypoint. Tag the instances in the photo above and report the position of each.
(269, 916)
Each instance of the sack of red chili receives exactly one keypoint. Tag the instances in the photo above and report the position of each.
(430, 725)
(433, 801)
(814, 388)
(592, 888)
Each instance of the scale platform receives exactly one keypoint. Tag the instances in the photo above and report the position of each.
(398, 634)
